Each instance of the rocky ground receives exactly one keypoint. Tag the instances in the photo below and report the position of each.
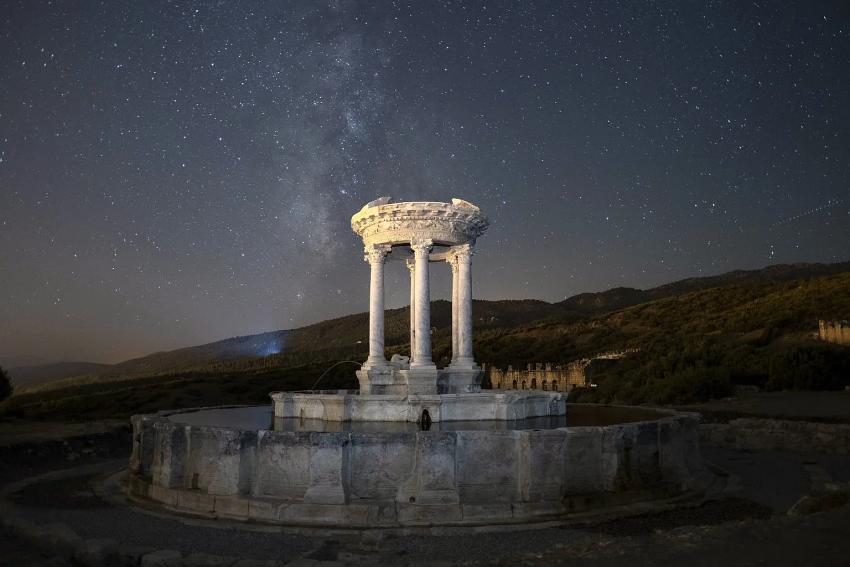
(779, 508)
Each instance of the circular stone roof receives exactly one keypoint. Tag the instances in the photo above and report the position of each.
(383, 222)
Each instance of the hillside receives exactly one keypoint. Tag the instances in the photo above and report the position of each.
(25, 376)
(700, 344)
(346, 337)
(691, 346)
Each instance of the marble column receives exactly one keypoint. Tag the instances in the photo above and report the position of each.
(376, 255)
(411, 266)
(452, 260)
(463, 256)
(421, 250)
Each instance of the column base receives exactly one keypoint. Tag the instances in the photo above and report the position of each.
(420, 380)
(395, 381)
(375, 380)
(460, 380)
(464, 364)
(377, 364)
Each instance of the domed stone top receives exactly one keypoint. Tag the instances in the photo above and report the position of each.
(450, 224)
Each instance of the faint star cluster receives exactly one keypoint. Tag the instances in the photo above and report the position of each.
(177, 172)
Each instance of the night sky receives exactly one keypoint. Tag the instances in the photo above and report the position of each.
(178, 172)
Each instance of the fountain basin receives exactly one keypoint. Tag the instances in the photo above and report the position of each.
(397, 477)
(344, 405)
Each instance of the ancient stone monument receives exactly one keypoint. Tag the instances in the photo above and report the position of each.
(420, 234)
(416, 445)
(390, 228)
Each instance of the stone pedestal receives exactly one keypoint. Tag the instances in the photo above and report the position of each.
(379, 380)
(400, 382)
(420, 380)
(460, 380)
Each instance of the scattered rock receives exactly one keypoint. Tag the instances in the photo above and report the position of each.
(259, 563)
(131, 555)
(97, 553)
(812, 504)
(162, 558)
(207, 560)
(59, 538)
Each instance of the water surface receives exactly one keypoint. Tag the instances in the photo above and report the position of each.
(261, 417)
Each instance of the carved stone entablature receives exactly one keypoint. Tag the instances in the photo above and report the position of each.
(449, 224)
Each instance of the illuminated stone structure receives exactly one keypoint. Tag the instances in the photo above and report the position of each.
(420, 233)
(408, 389)
(837, 332)
(554, 378)
(334, 459)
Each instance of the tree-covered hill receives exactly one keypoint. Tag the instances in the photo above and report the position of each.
(691, 345)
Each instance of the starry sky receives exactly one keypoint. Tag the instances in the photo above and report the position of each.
(173, 173)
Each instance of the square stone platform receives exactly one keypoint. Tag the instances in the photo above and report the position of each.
(345, 405)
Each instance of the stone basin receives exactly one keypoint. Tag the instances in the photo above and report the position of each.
(218, 462)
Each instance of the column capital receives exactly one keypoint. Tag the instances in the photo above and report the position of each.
(421, 246)
(374, 253)
(411, 264)
(459, 253)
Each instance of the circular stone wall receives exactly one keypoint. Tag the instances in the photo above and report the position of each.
(424, 478)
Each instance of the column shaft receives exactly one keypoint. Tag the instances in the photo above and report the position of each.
(423, 305)
(464, 259)
(375, 256)
(411, 266)
(455, 330)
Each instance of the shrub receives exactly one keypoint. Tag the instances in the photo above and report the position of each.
(5, 385)
(809, 367)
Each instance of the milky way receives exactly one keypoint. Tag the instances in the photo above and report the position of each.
(178, 172)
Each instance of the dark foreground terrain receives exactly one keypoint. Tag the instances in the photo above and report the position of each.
(778, 507)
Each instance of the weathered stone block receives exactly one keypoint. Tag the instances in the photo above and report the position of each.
(284, 465)
(169, 459)
(583, 466)
(214, 460)
(541, 465)
(436, 482)
(310, 513)
(380, 465)
(195, 501)
(418, 514)
(329, 463)
(671, 452)
(232, 506)
(165, 495)
(486, 512)
(524, 511)
(263, 510)
(487, 466)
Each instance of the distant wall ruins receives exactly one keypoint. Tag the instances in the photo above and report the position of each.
(556, 378)
(837, 332)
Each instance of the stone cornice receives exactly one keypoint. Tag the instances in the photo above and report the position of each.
(382, 222)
